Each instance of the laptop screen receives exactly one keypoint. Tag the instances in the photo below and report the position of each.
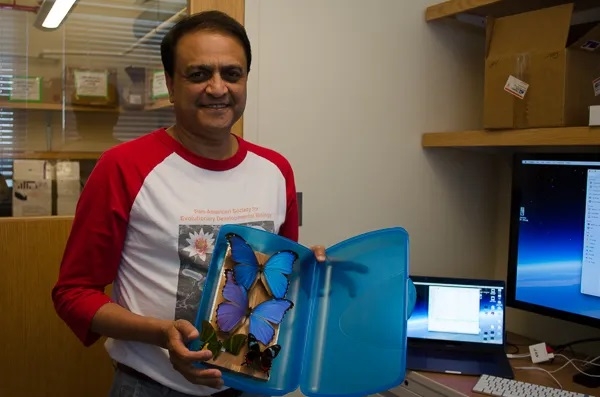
(458, 310)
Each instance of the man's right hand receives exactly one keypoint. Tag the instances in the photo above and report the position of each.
(177, 335)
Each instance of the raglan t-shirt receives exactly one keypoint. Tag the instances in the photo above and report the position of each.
(147, 221)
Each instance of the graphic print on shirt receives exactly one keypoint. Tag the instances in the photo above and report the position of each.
(195, 245)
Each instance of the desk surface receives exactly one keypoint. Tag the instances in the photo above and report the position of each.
(464, 384)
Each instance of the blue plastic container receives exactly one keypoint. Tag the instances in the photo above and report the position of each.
(346, 334)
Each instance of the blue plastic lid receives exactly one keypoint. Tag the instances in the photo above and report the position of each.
(346, 333)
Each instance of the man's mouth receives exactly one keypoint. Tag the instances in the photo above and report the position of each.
(215, 106)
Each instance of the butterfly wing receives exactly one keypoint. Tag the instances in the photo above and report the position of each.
(215, 347)
(246, 265)
(265, 315)
(207, 333)
(276, 270)
(253, 355)
(231, 312)
(267, 357)
(234, 344)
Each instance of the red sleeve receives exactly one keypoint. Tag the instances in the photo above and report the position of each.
(93, 250)
(290, 227)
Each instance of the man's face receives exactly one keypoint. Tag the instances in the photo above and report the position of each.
(208, 87)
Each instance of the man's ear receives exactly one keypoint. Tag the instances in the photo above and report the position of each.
(169, 82)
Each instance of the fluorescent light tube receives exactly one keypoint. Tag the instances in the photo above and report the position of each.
(52, 13)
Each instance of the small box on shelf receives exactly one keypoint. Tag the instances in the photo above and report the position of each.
(157, 94)
(92, 87)
(595, 116)
(540, 71)
(134, 93)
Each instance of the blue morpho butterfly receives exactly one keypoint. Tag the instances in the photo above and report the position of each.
(234, 311)
(262, 360)
(247, 270)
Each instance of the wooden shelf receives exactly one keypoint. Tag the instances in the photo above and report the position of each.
(160, 104)
(566, 136)
(54, 107)
(52, 155)
(497, 8)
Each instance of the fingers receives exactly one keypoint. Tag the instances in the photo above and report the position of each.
(183, 359)
(319, 252)
(208, 377)
(186, 329)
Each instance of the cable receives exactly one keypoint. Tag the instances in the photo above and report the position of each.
(543, 370)
(571, 361)
(515, 347)
(559, 348)
(524, 355)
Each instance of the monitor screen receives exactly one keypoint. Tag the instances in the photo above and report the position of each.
(457, 310)
(554, 251)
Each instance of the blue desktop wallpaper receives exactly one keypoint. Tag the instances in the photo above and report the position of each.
(550, 239)
(491, 319)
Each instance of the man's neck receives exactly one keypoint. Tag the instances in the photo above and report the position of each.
(215, 149)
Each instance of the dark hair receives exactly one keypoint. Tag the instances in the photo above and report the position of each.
(216, 21)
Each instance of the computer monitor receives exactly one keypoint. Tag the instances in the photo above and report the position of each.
(554, 250)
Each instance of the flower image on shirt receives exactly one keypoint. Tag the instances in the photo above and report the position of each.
(200, 244)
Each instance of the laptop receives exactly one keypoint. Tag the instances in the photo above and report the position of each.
(458, 327)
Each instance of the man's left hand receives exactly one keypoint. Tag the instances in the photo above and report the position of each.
(319, 252)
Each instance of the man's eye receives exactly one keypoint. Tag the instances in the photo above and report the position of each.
(232, 76)
(199, 76)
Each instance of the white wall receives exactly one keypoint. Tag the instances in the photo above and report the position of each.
(344, 89)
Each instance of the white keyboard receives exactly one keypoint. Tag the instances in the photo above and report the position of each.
(495, 386)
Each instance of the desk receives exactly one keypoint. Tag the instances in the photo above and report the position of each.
(460, 385)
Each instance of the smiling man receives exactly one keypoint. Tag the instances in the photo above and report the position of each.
(150, 211)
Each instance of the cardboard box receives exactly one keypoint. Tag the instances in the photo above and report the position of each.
(92, 87)
(594, 116)
(134, 93)
(156, 87)
(540, 71)
(68, 186)
(32, 188)
(52, 90)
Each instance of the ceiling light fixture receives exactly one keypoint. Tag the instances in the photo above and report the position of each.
(52, 13)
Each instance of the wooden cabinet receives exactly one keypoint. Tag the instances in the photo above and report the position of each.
(40, 356)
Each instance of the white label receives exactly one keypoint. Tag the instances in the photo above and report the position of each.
(159, 85)
(591, 45)
(596, 84)
(67, 170)
(135, 99)
(516, 87)
(25, 89)
(91, 84)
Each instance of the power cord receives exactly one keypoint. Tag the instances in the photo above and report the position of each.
(541, 353)
(514, 347)
(562, 347)
(543, 370)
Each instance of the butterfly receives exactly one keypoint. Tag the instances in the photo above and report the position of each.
(234, 311)
(273, 273)
(208, 338)
(260, 360)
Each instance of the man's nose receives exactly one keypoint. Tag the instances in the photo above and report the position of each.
(216, 86)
